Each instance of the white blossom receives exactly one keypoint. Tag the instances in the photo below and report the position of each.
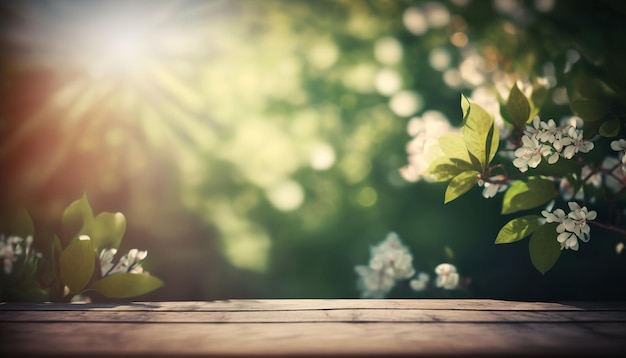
(129, 263)
(619, 145)
(580, 216)
(392, 257)
(9, 248)
(545, 139)
(493, 186)
(529, 154)
(13, 248)
(534, 130)
(549, 131)
(560, 141)
(579, 144)
(491, 189)
(572, 121)
(373, 283)
(447, 276)
(572, 226)
(557, 216)
(390, 261)
(106, 260)
(568, 240)
(420, 282)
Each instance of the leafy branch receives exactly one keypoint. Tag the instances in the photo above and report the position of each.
(84, 264)
(547, 155)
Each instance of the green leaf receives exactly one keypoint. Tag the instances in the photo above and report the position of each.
(476, 130)
(543, 247)
(460, 184)
(453, 146)
(465, 106)
(518, 107)
(517, 229)
(76, 217)
(48, 267)
(527, 195)
(476, 163)
(77, 264)
(493, 140)
(611, 127)
(590, 109)
(28, 267)
(591, 93)
(586, 80)
(124, 285)
(444, 168)
(107, 230)
(54, 282)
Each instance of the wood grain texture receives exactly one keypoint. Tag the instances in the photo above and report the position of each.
(312, 316)
(298, 304)
(314, 328)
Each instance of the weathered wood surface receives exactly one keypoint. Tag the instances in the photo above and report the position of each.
(314, 328)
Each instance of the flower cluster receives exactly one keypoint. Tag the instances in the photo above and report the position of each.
(572, 226)
(390, 261)
(13, 248)
(546, 140)
(447, 277)
(130, 263)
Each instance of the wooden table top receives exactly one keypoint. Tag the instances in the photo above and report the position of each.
(344, 327)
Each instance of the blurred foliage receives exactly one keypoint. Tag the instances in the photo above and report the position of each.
(65, 272)
(254, 146)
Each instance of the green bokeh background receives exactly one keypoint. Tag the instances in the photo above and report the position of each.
(222, 107)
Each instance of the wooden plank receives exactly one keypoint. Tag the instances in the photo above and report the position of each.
(314, 327)
(298, 304)
(323, 315)
(271, 339)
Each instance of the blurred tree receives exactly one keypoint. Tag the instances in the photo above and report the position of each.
(254, 146)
